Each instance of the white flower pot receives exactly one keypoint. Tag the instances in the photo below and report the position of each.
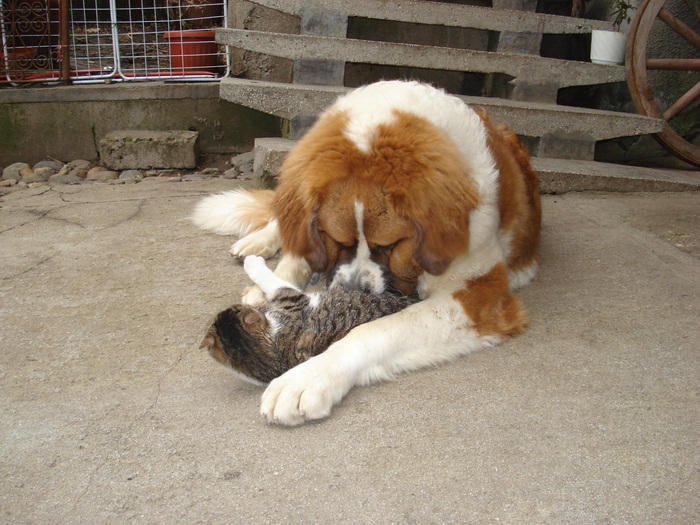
(608, 47)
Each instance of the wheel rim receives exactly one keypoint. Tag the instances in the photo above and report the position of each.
(638, 66)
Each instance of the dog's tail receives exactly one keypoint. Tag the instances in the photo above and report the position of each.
(237, 212)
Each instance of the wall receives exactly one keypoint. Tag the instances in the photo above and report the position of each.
(67, 122)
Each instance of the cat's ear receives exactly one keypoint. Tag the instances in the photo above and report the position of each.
(252, 317)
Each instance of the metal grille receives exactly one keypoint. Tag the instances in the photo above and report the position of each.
(112, 39)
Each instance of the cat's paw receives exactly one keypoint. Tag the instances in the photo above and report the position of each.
(253, 296)
(254, 265)
(307, 392)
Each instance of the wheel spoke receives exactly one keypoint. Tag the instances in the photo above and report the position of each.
(682, 103)
(679, 27)
(674, 64)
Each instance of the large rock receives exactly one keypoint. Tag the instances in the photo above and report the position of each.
(12, 172)
(123, 150)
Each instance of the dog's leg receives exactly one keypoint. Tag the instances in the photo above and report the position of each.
(439, 330)
(264, 242)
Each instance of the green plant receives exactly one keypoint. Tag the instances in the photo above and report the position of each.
(620, 10)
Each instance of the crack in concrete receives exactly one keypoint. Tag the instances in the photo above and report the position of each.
(130, 425)
(27, 270)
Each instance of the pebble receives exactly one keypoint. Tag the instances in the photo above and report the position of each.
(21, 175)
(53, 164)
(13, 170)
(80, 164)
(44, 171)
(100, 174)
(131, 175)
(65, 179)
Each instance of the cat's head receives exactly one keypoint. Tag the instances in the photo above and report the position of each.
(241, 338)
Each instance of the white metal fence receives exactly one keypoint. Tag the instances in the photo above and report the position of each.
(112, 40)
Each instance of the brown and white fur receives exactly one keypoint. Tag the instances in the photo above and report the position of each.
(400, 185)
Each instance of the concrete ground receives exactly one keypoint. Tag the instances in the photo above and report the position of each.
(111, 414)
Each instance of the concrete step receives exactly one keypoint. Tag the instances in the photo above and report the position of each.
(449, 15)
(556, 175)
(528, 119)
(549, 73)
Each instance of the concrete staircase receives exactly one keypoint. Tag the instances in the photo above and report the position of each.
(527, 94)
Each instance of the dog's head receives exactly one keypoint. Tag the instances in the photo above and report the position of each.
(375, 217)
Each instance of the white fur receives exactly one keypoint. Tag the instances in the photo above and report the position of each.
(362, 273)
(261, 275)
(432, 331)
(265, 242)
(520, 278)
(291, 269)
(216, 213)
(429, 332)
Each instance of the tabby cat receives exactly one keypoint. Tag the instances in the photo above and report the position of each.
(261, 344)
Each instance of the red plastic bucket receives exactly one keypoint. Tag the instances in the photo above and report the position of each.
(192, 52)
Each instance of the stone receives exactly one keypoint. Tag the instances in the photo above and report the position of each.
(26, 173)
(244, 158)
(101, 174)
(131, 176)
(28, 176)
(162, 179)
(80, 164)
(65, 179)
(233, 173)
(210, 172)
(140, 149)
(44, 172)
(78, 172)
(13, 170)
(53, 164)
(193, 177)
(8, 182)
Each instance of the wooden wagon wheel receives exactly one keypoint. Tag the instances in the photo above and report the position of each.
(637, 79)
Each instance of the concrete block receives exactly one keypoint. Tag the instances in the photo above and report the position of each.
(563, 176)
(566, 146)
(269, 156)
(135, 149)
(524, 118)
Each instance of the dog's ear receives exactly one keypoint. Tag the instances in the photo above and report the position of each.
(440, 211)
(438, 242)
(296, 214)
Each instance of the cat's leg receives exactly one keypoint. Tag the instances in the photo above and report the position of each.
(291, 269)
(261, 275)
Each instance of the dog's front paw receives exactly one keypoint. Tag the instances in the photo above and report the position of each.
(307, 392)
(247, 246)
(265, 243)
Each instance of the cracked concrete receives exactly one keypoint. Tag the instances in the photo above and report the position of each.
(112, 415)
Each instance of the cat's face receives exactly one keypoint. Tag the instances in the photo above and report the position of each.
(240, 338)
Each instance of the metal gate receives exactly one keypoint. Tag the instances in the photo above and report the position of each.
(103, 40)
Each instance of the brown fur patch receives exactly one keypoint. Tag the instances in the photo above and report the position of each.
(519, 196)
(490, 305)
(413, 182)
(256, 211)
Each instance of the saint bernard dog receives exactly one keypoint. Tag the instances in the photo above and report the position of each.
(401, 187)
